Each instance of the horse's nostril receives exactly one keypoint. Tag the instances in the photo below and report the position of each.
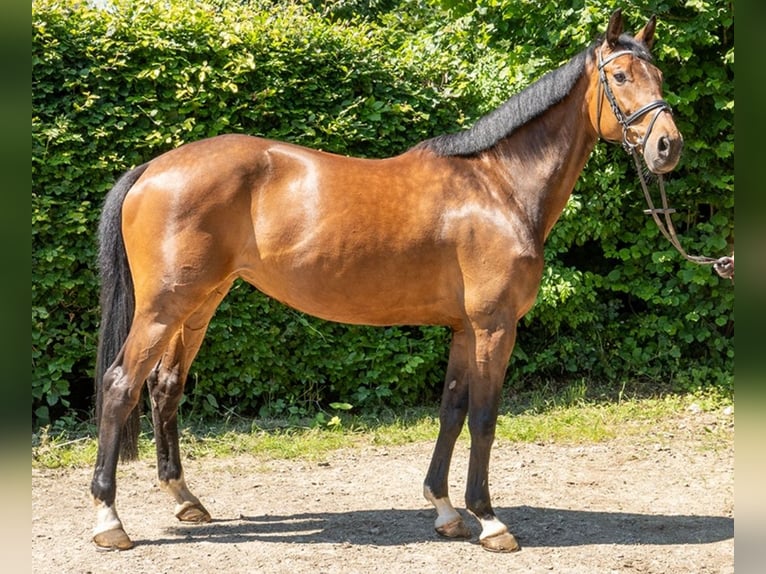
(663, 146)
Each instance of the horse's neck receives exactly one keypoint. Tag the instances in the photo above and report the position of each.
(543, 161)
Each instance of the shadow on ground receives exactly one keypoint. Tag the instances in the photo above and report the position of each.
(533, 526)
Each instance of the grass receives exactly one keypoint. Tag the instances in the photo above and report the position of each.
(566, 416)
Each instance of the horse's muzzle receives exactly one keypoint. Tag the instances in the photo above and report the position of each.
(662, 151)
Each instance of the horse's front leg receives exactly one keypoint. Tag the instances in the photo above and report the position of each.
(493, 348)
(454, 406)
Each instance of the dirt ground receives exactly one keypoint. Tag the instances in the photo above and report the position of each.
(659, 503)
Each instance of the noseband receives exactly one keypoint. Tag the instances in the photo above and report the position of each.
(658, 106)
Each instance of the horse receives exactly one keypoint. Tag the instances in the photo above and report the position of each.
(449, 233)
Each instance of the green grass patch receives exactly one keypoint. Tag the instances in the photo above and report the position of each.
(571, 417)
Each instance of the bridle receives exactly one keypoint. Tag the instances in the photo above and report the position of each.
(658, 106)
(724, 266)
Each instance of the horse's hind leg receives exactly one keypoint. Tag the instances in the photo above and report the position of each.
(452, 415)
(122, 386)
(166, 384)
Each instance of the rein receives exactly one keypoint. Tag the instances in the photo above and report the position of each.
(724, 266)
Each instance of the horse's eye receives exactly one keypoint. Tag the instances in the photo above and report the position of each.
(619, 77)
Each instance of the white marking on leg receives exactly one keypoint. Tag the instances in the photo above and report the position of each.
(491, 527)
(106, 518)
(180, 492)
(446, 513)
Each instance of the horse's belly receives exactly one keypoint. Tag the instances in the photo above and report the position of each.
(376, 292)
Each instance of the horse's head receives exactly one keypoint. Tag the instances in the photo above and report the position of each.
(626, 102)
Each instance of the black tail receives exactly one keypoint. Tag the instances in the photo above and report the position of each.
(117, 300)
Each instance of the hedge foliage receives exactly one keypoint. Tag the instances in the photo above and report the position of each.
(115, 86)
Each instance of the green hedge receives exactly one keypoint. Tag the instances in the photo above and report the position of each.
(115, 87)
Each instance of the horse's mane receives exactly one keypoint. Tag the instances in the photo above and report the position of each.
(522, 107)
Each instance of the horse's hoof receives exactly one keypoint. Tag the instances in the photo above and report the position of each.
(115, 539)
(454, 529)
(192, 512)
(505, 542)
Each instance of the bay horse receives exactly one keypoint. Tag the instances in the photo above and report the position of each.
(448, 233)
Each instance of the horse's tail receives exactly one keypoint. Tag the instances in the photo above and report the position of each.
(117, 301)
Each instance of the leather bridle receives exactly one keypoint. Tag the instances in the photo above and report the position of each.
(626, 122)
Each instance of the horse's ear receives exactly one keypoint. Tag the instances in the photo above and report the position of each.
(614, 28)
(646, 34)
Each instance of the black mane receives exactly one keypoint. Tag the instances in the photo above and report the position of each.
(523, 107)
